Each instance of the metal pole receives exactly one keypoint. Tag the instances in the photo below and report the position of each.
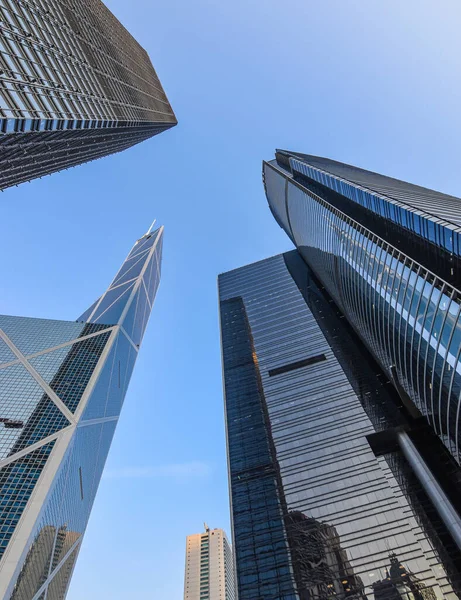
(444, 507)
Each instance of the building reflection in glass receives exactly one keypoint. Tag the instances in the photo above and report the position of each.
(46, 553)
(400, 583)
(321, 567)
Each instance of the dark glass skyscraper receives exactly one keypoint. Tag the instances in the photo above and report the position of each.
(62, 386)
(74, 86)
(341, 373)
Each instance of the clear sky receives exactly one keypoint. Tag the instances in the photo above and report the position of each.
(375, 83)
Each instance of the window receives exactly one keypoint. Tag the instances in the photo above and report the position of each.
(297, 365)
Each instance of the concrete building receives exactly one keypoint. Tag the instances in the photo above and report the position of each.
(209, 573)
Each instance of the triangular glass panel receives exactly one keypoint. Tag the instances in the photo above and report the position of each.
(86, 315)
(27, 414)
(152, 279)
(96, 407)
(143, 317)
(79, 484)
(34, 335)
(136, 320)
(114, 303)
(129, 320)
(107, 433)
(113, 314)
(17, 482)
(130, 270)
(68, 373)
(150, 271)
(135, 256)
(107, 397)
(145, 243)
(6, 355)
(126, 355)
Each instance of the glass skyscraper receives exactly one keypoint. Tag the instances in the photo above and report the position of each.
(341, 392)
(74, 86)
(62, 386)
(389, 254)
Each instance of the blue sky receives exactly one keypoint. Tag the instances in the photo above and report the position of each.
(373, 83)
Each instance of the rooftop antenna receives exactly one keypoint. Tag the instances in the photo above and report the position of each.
(207, 529)
(152, 226)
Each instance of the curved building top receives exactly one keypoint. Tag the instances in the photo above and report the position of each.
(430, 214)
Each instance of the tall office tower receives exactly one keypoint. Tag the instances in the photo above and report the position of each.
(62, 386)
(338, 489)
(209, 573)
(74, 86)
(389, 254)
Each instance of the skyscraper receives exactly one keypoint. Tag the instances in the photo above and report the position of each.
(389, 254)
(330, 494)
(75, 86)
(62, 386)
(209, 572)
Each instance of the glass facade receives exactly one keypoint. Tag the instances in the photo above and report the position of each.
(392, 269)
(62, 386)
(324, 505)
(75, 86)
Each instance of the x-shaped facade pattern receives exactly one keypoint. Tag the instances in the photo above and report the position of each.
(62, 386)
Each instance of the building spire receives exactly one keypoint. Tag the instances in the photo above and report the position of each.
(152, 226)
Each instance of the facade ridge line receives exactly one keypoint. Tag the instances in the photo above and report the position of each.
(39, 379)
(29, 449)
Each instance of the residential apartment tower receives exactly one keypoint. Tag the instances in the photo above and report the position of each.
(209, 571)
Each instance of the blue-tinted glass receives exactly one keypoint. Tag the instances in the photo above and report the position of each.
(113, 304)
(124, 363)
(69, 375)
(144, 244)
(13, 497)
(136, 319)
(96, 407)
(107, 398)
(6, 355)
(27, 414)
(34, 335)
(66, 357)
(152, 276)
(130, 269)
